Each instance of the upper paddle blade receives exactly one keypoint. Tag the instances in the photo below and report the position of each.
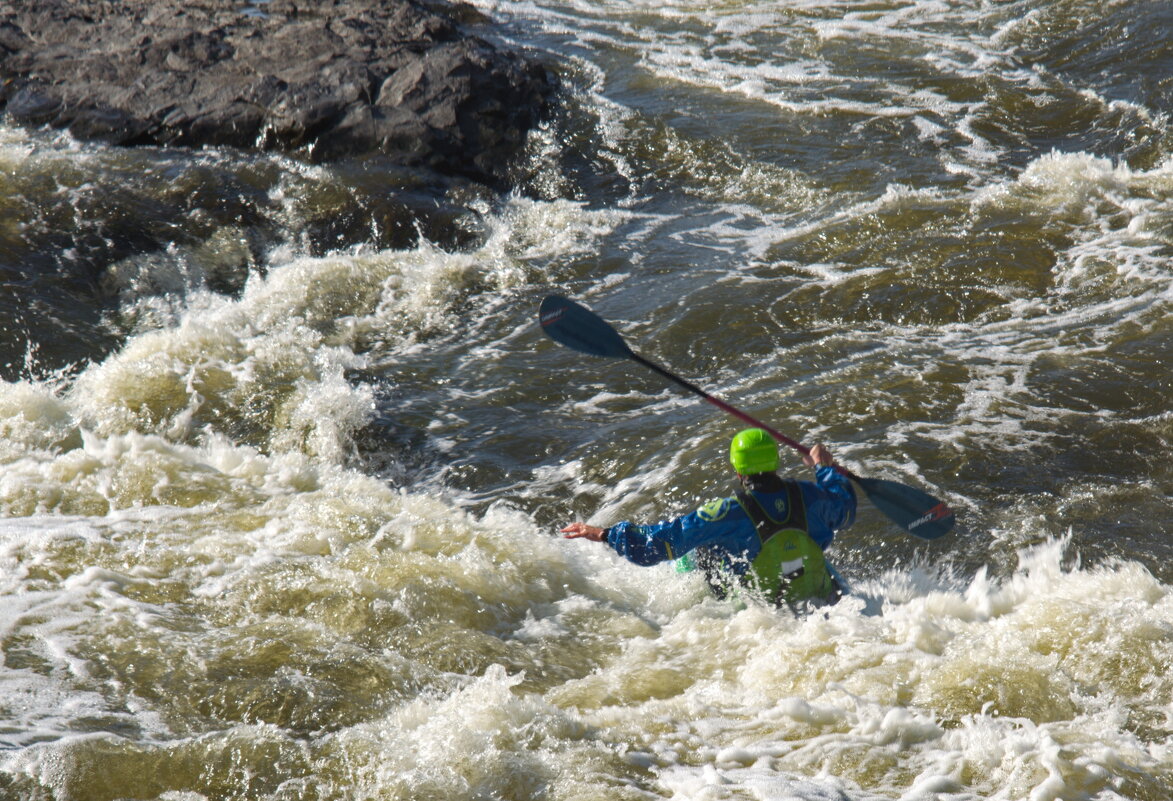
(917, 512)
(576, 327)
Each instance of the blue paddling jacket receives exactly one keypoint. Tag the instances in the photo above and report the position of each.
(726, 527)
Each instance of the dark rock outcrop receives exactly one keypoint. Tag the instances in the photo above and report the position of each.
(328, 78)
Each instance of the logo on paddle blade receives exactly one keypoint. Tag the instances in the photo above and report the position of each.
(552, 316)
(938, 512)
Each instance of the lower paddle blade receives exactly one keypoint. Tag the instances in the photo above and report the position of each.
(917, 512)
(578, 328)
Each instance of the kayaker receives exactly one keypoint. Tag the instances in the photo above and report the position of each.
(768, 538)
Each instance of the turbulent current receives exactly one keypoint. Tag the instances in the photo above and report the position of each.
(281, 476)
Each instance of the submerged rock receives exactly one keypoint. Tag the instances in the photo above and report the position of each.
(328, 78)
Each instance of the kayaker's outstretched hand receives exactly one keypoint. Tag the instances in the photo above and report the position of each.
(585, 531)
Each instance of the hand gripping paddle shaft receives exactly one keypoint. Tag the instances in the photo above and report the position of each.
(580, 329)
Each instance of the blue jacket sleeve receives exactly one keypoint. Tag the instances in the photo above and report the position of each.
(644, 545)
(830, 504)
(721, 521)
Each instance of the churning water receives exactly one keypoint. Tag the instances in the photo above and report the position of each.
(282, 472)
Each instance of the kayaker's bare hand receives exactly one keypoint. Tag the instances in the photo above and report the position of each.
(584, 531)
(819, 455)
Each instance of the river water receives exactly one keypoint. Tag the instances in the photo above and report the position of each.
(282, 475)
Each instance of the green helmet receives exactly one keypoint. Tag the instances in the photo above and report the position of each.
(753, 451)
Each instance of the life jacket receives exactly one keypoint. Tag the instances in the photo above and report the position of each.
(790, 567)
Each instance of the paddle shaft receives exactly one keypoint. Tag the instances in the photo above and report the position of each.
(722, 405)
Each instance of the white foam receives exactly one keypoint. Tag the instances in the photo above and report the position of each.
(768, 700)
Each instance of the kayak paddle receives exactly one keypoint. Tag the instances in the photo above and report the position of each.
(580, 329)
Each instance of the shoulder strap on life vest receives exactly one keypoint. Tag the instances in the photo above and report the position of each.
(794, 516)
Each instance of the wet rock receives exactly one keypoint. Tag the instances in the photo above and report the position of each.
(326, 78)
